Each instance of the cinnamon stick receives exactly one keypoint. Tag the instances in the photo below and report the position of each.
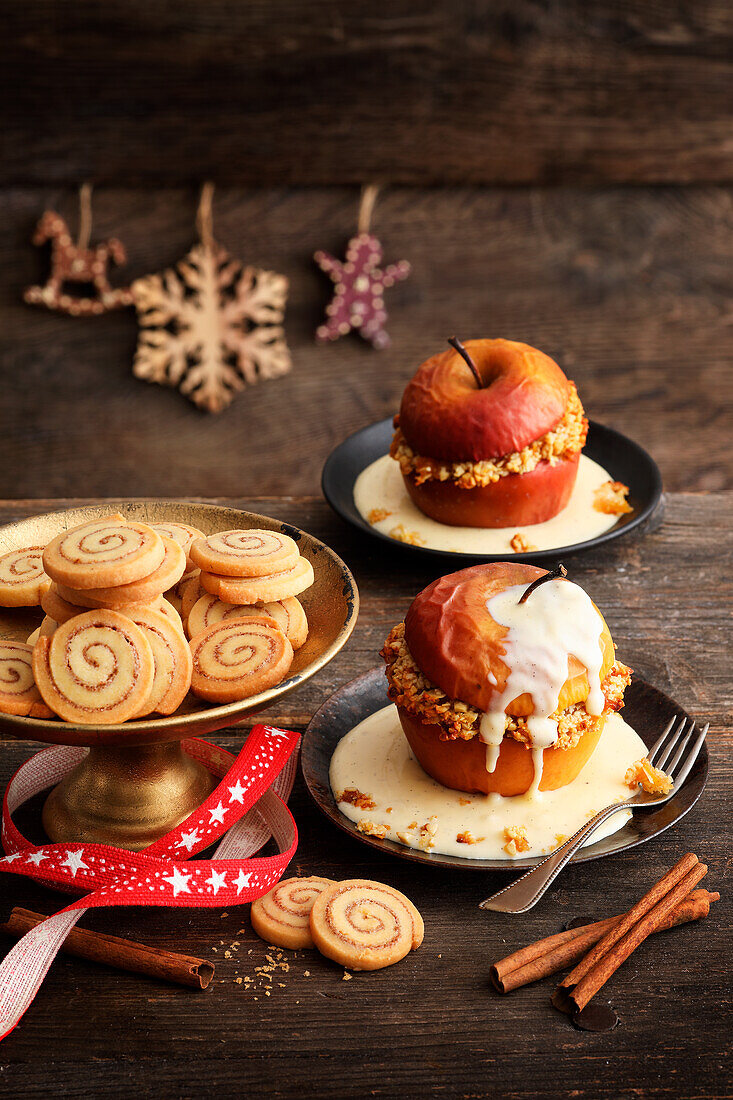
(122, 954)
(539, 960)
(606, 956)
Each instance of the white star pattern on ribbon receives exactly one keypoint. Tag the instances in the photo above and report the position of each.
(189, 840)
(217, 814)
(237, 792)
(179, 882)
(113, 877)
(242, 880)
(216, 880)
(74, 862)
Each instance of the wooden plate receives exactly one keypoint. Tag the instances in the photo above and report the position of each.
(625, 460)
(331, 605)
(646, 709)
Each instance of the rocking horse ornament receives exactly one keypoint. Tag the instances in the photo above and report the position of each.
(78, 264)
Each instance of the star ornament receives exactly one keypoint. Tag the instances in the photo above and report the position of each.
(359, 286)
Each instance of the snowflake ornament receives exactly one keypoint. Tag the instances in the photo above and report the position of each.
(210, 325)
(360, 283)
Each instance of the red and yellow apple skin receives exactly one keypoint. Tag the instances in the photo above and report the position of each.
(461, 765)
(445, 415)
(516, 500)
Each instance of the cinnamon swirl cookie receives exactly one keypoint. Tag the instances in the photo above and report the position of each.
(22, 577)
(365, 925)
(183, 534)
(171, 659)
(142, 591)
(237, 658)
(18, 691)
(56, 607)
(288, 614)
(245, 553)
(96, 669)
(103, 552)
(282, 916)
(249, 590)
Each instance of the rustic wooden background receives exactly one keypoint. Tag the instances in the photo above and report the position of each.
(560, 174)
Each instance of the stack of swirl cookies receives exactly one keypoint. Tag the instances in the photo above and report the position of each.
(241, 612)
(112, 648)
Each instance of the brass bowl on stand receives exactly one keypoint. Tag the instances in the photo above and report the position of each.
(136, 783)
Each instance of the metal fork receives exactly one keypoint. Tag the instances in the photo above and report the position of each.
(526, 891)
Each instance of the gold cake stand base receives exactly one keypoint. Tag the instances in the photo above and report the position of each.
(126, 796)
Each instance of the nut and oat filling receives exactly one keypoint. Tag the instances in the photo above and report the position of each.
(412, 691)
(566, 438)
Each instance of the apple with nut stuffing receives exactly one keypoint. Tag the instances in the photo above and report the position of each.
(503, 738)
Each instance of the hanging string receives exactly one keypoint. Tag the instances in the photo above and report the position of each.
(205, 217)
(85, 216)
(366, 206)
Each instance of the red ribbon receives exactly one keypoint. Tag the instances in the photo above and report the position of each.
(245, 809)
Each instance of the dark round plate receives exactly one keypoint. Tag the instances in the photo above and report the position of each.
(646, 709)
(625, 460)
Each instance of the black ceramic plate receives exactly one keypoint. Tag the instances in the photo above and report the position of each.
(625, 460)
(646, 709)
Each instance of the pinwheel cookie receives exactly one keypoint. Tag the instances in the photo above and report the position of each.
(103, 552)
(183, 534)
(142, 591)
(97, 668)
(365, 925)
(288, 614)
(22, 577)
(237, 658)
(249, 590)
(18, 691)
(172, 661)
(282, 916)
(246, 553)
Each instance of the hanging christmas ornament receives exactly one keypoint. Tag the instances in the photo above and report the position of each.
(360, 282)
(78, 265)
(209, 325)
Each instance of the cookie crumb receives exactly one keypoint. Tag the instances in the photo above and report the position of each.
(370, 829)
(652, 780)
(610, 498)
(377, 515)
(516, 840)
(521, 545)
(354, 797)
(347, 977)
(402, 535)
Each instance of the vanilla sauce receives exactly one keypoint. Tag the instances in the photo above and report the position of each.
(380, 488)
(375, 759)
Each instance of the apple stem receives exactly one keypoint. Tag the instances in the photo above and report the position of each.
(456, 344)
(553, 575)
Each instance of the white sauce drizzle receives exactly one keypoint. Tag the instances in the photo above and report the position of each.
(556, 621)
(375, 758)
(380, 487)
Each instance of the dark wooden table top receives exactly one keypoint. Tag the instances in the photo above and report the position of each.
(432, 1024)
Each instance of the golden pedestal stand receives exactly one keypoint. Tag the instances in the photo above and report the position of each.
(136, 783)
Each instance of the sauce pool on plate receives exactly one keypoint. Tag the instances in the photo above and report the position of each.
(397, 800)
(379, 491)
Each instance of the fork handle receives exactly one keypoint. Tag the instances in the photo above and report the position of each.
(526, 891)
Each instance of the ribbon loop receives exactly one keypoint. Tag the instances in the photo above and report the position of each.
(243, 812)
